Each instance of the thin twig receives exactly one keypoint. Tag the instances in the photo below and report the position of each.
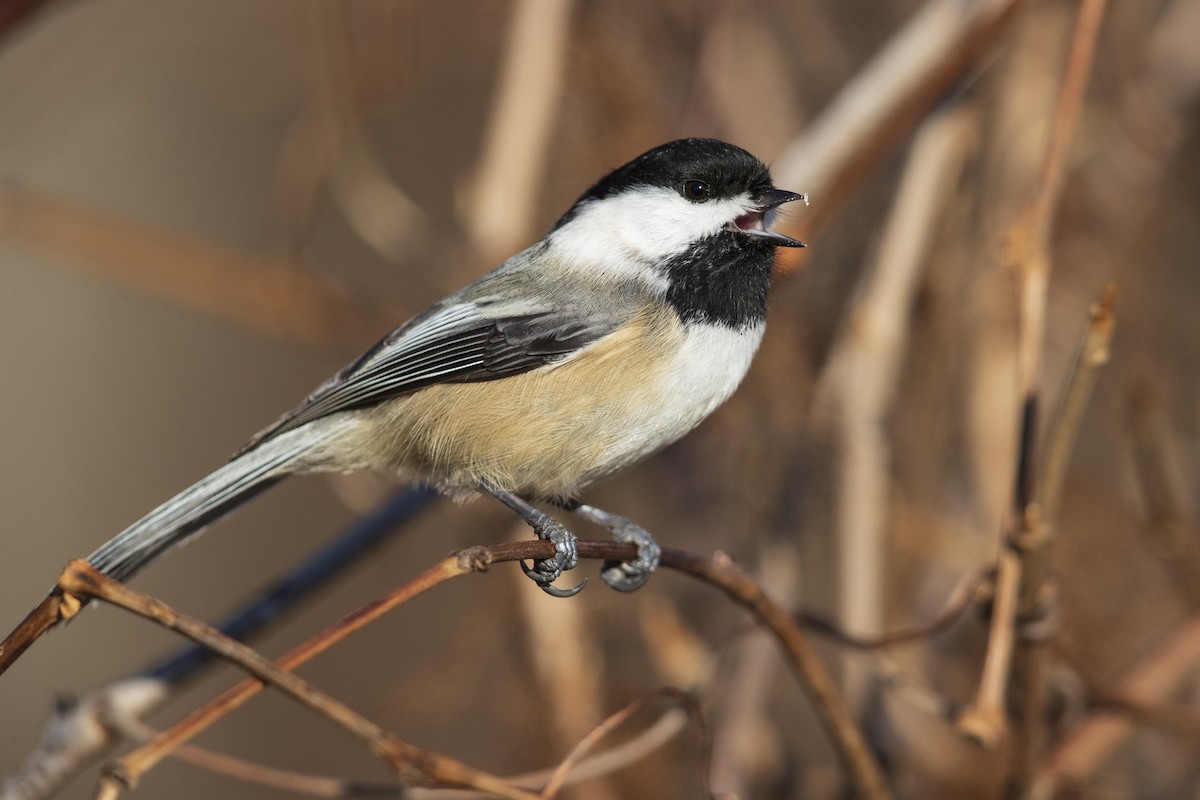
(1091, 355)
(261, 775)
(848, 740)
(1029, 247)
(412, 764)
(835, 717)
(79, 734)
(957, 602)
(285, 591)
(682, 699)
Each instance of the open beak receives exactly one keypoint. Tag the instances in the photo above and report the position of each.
(758, 222)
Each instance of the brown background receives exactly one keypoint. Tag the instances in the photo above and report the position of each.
(222, 123)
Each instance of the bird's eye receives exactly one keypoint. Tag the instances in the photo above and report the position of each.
(696, 191)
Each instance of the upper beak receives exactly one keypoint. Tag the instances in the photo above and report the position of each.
(758, 222)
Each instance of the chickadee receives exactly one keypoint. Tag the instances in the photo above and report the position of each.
(613, 336)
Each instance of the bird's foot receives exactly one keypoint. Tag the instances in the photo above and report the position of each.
(626, 576)
(546, 571)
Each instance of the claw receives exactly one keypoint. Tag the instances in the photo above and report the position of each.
(631, 575)
(627, 576)
(623, 577)
(547, 570)
(554, 591)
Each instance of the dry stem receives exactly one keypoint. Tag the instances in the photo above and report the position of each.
(1094, 740)
(413, 764)
(614, 721)
(874, 112)
(1173, 539)
(81, 580)
(867, 363)
(1029, 252)
(504, 191)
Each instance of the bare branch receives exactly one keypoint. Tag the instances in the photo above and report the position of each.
(1172, 538)
(860, 383)
(1029, 253)
(941, 43)
(1096, 738)
(411, 763)
(682, 700)
(504, 191)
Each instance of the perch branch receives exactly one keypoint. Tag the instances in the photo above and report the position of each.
(79, 733)
(847, 738)
(412, 764)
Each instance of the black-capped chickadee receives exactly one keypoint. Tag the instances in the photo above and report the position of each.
(616, 334)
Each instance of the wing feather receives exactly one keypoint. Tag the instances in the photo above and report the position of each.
(455, 343)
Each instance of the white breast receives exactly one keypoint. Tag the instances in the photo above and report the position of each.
(711, 362)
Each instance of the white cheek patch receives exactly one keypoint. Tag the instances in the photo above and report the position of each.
(621, 234)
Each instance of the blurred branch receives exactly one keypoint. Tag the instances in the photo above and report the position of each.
(848, 741)
(379, 211)
(80, 732)
(1097, 737)
(614, 721)
(1033, 603)
(499, 205)
(411, 763)
(1020, 576)
(1090, 357)
(1174, 541)
(14, 12)
(266, 296)
(860, 384)
(81, 581)
(743, 708)
(941, 44)
(261, 775)
(653, 738)
(1029, 600)
(569, 665)
(965, 591)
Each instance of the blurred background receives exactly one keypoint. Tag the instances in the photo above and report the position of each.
(207, 208)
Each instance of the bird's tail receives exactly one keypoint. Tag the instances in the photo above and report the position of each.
(187, 513)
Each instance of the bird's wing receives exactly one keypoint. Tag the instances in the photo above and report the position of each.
(454, 343)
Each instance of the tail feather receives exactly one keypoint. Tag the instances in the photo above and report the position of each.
(187, 514)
